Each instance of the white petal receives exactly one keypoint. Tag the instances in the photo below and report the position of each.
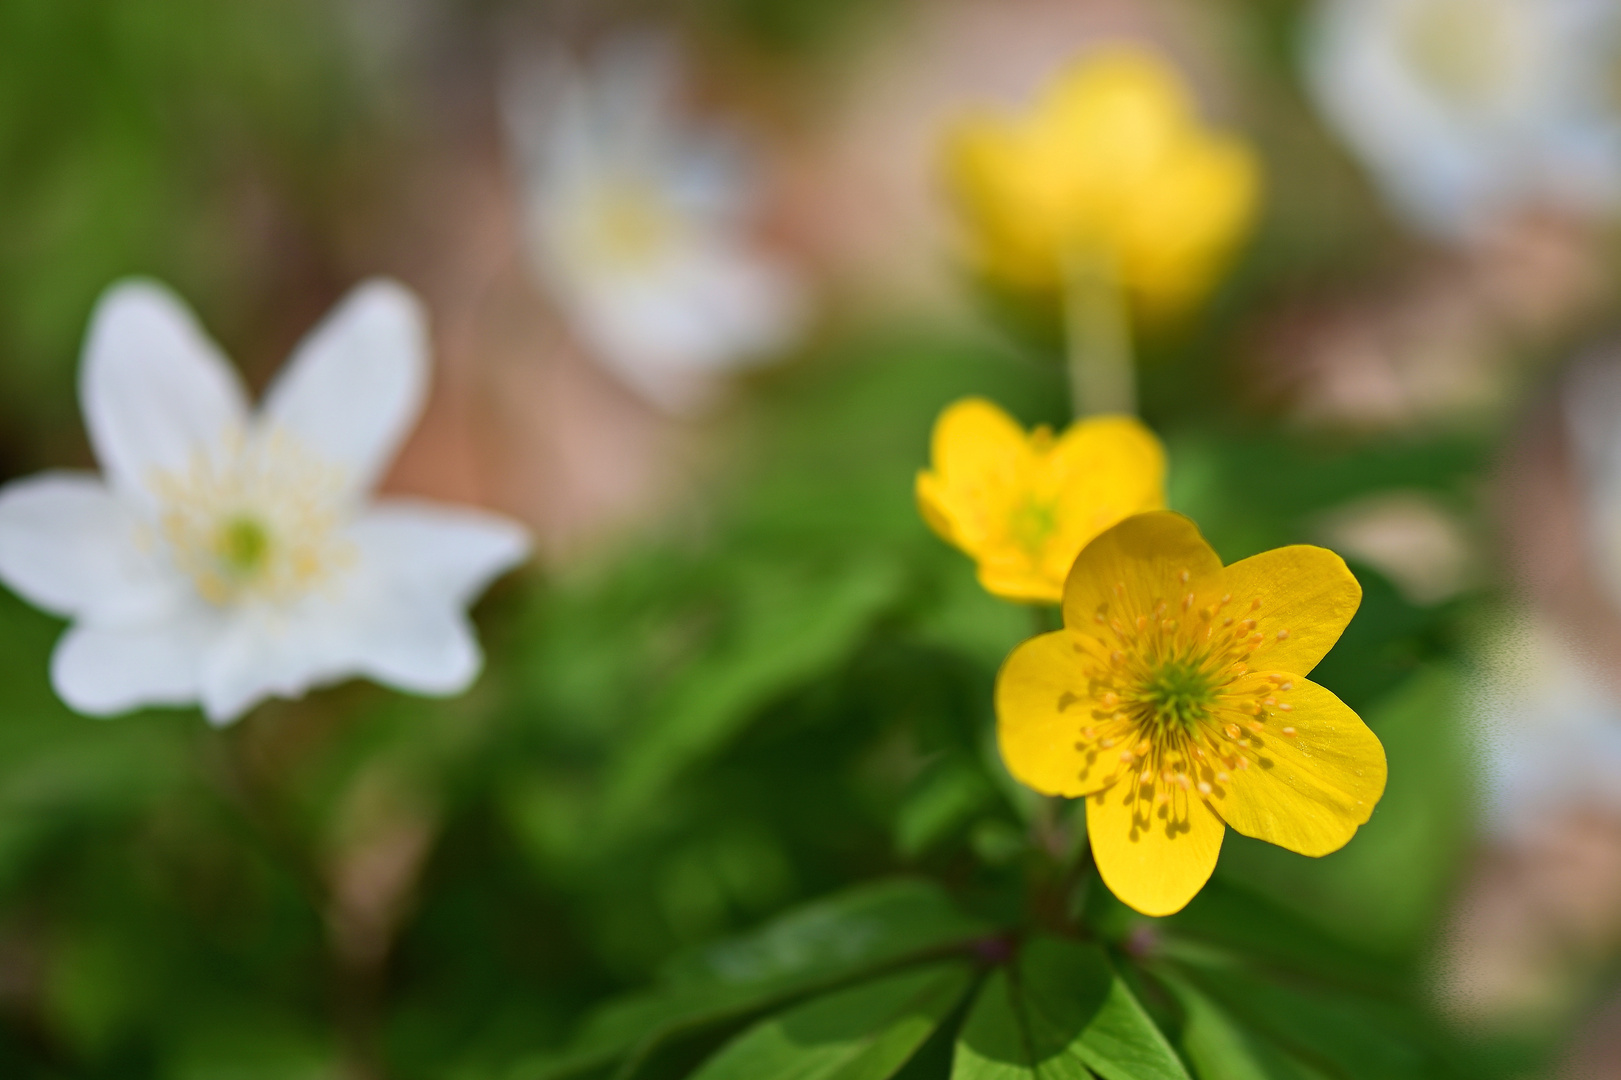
(755, 305)
(68, 545)
(423, 648)
(403, 642)
(444, 554)
(1453, 163)
(105, 670)
(399, 617)
(154, 389)
(356, 384)
(263, 652)
(712, 307)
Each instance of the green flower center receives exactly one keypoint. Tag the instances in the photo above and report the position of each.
(1033, 523)
(243, 546)
(1177, 695)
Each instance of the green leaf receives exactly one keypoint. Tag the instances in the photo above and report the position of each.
(1076, 998)
(796, 626)
(816, 946)
(1219, 1049)
(942, 800)
(864, 926)
(1227, 921)
(864, 1033)
(1349, 1034)
(1064, 1013)
(995, 1045)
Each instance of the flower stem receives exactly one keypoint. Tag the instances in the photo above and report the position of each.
(1097, 333)
(357, 992)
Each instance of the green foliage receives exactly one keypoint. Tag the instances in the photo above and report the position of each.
(787, 700)
(792, 630)
(1060, 1011)
(790, 26)
(857, 932)
(864, 1033)
(135, 132)
(1217, 1048)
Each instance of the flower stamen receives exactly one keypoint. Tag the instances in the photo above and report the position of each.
(257, 520)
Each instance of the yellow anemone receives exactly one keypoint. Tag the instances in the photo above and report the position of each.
(1111, 166)
(1023, 505)
(1174, 700)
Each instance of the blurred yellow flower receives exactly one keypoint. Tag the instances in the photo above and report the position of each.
(1174, 700)
(1111, 167)
(1023, 505)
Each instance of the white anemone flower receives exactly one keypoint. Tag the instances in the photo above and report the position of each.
(636, 222)
(224, 556)
(1469, 110)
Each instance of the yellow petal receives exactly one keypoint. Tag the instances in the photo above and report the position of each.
(1013, 577)
(1308, 792)
(1188, 216)
(1013, 201)
(1307, 596)
(1118, 111)
(1101, 471)
(1042, 714)
(976, 443)
(936, 506)
(1131, 567)
(1154, 857)
(979, 454)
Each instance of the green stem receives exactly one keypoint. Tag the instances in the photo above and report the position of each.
(1097, 332)
(357, 993)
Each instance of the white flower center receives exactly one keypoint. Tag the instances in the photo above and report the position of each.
(1465, 50)
(258, 522)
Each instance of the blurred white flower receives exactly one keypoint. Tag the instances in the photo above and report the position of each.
(1593, 413)
(636, 223)
(1410, 537)
(1467, 110)
(1549, 729)
(222, 556)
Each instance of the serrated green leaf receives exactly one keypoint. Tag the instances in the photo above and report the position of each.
(864, 1033)
(1064, 1014)
(818, 945)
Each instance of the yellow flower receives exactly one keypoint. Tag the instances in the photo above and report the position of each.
(1112, 166)
(1024, 505)
(1174, 700)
